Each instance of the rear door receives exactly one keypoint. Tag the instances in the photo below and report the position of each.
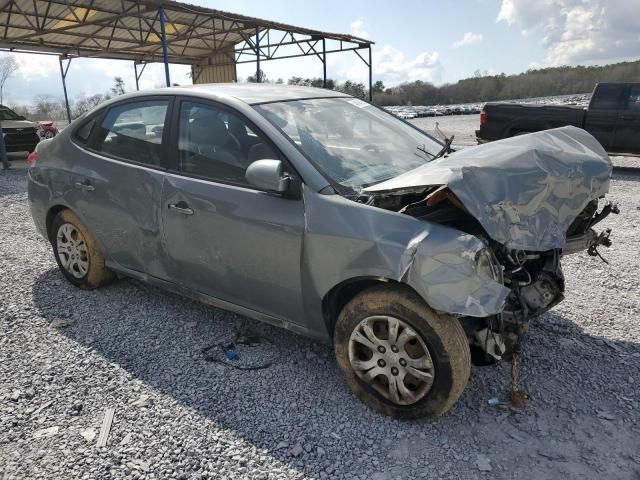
(627, 137)
(118, 176)
(602, 116)
(224, 237)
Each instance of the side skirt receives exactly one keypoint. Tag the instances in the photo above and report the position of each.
(215, 302)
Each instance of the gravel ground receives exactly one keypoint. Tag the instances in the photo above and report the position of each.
(180, 412)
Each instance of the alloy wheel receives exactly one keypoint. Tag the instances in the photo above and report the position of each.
(390, 356)
(72, 250)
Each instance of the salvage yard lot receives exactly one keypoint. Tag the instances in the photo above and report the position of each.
(66, 355)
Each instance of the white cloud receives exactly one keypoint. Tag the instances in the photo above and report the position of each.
(467, 39)
(390, 64)
(576, 31)
(357, 29)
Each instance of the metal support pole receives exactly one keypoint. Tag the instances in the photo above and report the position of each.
(138, 73)
(324, 64)
(165, 53)
(258, 76)
(370, 76)
(63, 72)
(3, 151)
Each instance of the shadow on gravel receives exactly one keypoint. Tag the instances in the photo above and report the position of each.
(578, 407)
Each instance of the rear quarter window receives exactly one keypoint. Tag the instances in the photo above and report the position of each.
(83, 132)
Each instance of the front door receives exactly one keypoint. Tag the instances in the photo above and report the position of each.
(223, 237)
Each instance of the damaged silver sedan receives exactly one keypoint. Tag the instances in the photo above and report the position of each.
(323, 214)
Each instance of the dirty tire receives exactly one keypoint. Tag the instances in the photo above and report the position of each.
(97, 273)
(442, 334)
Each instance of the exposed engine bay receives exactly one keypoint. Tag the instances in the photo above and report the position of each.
(535, 278)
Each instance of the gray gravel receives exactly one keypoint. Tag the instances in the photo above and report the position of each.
(66, 355)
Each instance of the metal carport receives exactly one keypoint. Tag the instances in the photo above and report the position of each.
(213, 42)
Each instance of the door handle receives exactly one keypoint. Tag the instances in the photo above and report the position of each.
(87, 187)
(181, 207)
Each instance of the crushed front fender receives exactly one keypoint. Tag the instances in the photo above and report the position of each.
(346, 240)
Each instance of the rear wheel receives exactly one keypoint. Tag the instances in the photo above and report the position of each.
(77, 253)
(400, 357)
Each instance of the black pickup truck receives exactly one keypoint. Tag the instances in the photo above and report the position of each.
(613, 117)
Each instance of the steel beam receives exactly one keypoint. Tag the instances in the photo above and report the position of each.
(63, 73)
(258, 79)
(370, 76)
(324, 64)
(165, 53)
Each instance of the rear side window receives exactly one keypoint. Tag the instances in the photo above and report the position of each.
(607, 97)
(134, 131)
(633, 102)
(83, 133)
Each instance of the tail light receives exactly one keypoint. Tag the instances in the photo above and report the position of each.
(483, 117)
(32, 159)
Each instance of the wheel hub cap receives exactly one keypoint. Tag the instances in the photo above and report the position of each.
(72, 250)
(390, 356)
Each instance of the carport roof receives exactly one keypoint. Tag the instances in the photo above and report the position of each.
(130, 30)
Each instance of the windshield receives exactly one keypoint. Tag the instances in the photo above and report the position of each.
(6, 114)
(352, 142)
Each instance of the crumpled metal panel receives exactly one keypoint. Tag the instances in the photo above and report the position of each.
(346, 240)
(526, 190)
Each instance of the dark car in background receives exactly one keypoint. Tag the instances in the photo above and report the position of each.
(612, 117)
(323, 214)
(20, 134)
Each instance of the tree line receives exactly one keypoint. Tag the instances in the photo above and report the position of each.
(532, 83)
(482, 87)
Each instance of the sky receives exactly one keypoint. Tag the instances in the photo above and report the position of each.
(429, 40)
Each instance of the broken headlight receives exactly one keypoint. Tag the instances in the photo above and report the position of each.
(487, 265)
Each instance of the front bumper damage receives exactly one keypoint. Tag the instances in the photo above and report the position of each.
(530, 200)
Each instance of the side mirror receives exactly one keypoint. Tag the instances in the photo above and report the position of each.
(267, 175)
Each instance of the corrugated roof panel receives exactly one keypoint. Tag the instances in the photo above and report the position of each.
(85, 26)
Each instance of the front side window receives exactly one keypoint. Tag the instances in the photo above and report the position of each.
(134, 131)
(218, 145)
(607, 97)
(352, 142)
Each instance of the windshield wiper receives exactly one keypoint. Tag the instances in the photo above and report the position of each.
(446, 149)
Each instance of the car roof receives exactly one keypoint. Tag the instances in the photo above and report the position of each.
(251, 93)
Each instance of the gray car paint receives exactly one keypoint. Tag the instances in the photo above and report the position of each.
(261, 254)
(526, 190)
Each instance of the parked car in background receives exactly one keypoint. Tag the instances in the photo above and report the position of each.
(20, 134)
(612, 117)
(49, 130)
(323, 214)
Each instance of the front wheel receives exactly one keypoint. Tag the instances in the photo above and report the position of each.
(400, 357)
(77, 252)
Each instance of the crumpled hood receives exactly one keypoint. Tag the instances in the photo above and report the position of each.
(526, 190)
